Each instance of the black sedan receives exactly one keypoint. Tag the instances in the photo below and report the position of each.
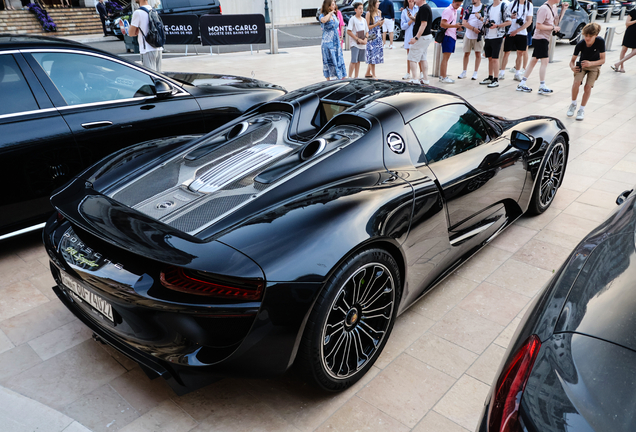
(66, 105)
(296, 233)
(572, 363)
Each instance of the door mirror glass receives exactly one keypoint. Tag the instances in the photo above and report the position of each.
(162, 89)
(521, 140)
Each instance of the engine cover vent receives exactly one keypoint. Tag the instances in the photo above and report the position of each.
(238, 166)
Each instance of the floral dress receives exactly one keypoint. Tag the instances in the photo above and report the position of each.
(375, 52)
(333, 64)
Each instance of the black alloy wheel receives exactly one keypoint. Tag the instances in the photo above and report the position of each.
(549, 177)
(351, 320)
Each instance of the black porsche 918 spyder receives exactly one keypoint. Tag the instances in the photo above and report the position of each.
(297, 233)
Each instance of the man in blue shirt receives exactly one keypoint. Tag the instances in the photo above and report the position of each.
(388, 13)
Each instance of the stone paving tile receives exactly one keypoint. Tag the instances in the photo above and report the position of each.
(36, 322)
(558, 238)
(543, 255)
(587, 211)
(441, 299)
(442, 354)
(574, 225)
(20, 414)
(490, 258)
(17, 360)
(408, 327)
(5, 343)
(406, 389)
(142, 393)
(520, 277)
(61, 339)
(102, 410)
(67, 376)
(514, 237)
(494, 303)
(359, 415)
(464, 402)
(434, 422)
(166, 417)
(19, 297)
(503, 340)
(486, 366)
(467, 330)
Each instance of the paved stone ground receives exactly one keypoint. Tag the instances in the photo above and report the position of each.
(439, 363)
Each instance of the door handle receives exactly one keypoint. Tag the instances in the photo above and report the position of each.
(93, 125)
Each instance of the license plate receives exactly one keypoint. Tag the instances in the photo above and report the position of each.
(82, 294)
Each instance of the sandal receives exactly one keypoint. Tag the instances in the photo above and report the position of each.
(614, 68)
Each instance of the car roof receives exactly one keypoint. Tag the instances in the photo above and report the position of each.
(14, 41)
(411, 100)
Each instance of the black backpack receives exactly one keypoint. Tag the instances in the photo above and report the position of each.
(156, 36)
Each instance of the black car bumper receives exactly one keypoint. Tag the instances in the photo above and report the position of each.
(187, 344)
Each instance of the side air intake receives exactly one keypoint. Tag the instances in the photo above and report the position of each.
(238, 166)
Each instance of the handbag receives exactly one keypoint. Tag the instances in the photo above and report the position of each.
(439, 37)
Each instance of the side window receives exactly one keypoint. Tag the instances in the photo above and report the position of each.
(15, 93)
(448, 131)
(83, 79)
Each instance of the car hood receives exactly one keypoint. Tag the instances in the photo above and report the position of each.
(190, 184)
(213, 83)
(602, 300)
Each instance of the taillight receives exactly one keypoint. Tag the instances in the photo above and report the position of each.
(60, 217)
(199, 283)
(605, 1)
(506, 398)
(220, 10)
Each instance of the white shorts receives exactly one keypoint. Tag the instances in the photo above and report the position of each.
(388, 26)
(419, 49)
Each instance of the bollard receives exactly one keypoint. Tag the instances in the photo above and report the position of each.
(608, 15)
(347, 39)
(437, 59)
(609, 38)
(551, 48)
(273, 41)
(593, 15)
(621, 16)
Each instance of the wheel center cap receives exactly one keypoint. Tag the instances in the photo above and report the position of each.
(352, 317)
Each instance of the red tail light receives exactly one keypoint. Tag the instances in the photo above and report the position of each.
(220, 10)
(605, 1)
(193, 282)
(504, 406)
(60, 217)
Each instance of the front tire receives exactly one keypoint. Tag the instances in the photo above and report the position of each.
(351, 320)
(549, 177)
(576, 37)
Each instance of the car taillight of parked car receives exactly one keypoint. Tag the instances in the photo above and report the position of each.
(198, 283)
(605, 1)
(506, 397)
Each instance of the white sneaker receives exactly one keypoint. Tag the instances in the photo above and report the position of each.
(462, 75)
(406, 76)
(493, 84)
(544, 91)
(518, 76)
(391, 47)
(447, 80)
(474, 77)
(571, 109)
(425, 82)
(419, 81)
(502, 76)
(513, 70)
(580, 115)
(524, 88)
(421, 75)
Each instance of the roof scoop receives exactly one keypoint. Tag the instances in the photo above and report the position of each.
(237, 167)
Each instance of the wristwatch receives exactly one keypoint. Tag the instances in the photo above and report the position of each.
(416, 38)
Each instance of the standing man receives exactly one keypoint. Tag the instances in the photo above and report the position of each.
(473, 21)
(101, 9)
(139, 24)
(547, 25)
(421, 40)
(517, 40)
(449, 17)
(388, 13)
(497, 19)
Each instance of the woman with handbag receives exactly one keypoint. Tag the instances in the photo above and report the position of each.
(375, 51)
(333, 64)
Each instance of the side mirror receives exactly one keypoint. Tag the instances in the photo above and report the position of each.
(521, 140)
(162, 89)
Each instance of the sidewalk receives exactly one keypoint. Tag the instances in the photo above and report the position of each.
(439, 363)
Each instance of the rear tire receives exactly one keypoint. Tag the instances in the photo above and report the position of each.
(351, 320)
(549, 177)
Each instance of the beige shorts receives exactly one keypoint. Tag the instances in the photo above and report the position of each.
(419, 50)
(592, 75)
(473, 45)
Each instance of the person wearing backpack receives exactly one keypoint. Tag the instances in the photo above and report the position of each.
(496, 20)
(147, 26)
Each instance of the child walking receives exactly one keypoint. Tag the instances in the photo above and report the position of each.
(592, 52)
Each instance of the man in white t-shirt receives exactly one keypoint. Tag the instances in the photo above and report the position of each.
(472, 22)
(357, 29)
(150, 56)
(517, 40)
